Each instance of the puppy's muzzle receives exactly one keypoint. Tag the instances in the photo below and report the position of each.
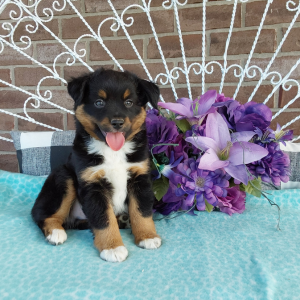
(117, 123)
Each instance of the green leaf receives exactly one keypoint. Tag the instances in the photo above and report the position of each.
(183, 125)
(253, 187)
(208, 206)
(160, 187)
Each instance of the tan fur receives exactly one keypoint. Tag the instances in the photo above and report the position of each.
(143, 168)
(86, 120)
(126, 94)
(105, 122)
(137, 123)
(90, 176)
(142, 228)
(56, 220)
(110, 237)
(102, 94)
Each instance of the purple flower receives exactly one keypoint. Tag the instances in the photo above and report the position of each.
(170, 202)
(180, 150)
(282, 135)
(272, 168)
(195, 110)
(224, 151)
(222, 98)
(234, 202)
(160, 131)
(200, 185)
(245, 117)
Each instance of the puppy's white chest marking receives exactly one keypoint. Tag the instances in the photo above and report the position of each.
(116, 167)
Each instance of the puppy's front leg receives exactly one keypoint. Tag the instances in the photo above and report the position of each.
(99, 211)
(141, 199)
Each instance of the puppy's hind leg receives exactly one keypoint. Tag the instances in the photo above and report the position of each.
(52, 207)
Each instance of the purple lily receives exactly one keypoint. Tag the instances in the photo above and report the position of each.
(282, 135)
(194, 111)
(224, 151)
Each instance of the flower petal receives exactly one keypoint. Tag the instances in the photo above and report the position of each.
(243, 136)
(217, 129)
(203, 143)
(205, 102)
(177, 108)
(245, 153)
(210, 161)
(237, 172)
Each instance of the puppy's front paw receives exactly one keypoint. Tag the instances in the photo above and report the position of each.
(58, 236)
(114, 255)
(150, 243)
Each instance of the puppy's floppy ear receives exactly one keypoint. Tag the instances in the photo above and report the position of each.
(148, 92)
(77, 87)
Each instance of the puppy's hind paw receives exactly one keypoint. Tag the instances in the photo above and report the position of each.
(58, 236)
(114, 255)
(150, 243)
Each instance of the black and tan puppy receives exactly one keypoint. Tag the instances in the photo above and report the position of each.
(107, 173)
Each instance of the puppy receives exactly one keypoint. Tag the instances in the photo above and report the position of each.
(107, 173)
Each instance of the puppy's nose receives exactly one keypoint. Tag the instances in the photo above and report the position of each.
(117, 123)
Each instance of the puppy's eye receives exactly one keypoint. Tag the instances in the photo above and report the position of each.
(128, 103)
(99, 103)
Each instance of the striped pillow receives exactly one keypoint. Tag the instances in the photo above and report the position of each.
(40, 152)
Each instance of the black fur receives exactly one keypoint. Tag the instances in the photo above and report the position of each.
(94, 197)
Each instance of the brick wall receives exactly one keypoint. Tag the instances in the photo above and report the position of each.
(20, 71)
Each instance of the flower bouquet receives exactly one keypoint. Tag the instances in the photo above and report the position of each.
(209, 152)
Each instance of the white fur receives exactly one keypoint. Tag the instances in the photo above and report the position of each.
(114, 255)
(116, 167)
(150, 243)
(57, 237)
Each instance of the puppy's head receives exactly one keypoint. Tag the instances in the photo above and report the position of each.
(110, 105)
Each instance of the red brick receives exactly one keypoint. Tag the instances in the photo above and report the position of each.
(52, 119)
(68, 10)
(171, 46)
(286, 96)
(40, 34)
(292, 42)
(163, 21)
(9, 162)
(241, 42)
(281, 64)
(31, 77)
(61, 98)
(76, 71)
(94, 6)
(12, 99)
(277, 13)
(47, 52)
(73, 28)
(246, 91)
(8, 8)
(168, 94)
(10, 57)
(121, 49)
(6, 122)
(216, 17)
(153, 68)
(286, 117)
(156, 3)
(4, 145)
(70, 122)
(5, 76)
(216, 76)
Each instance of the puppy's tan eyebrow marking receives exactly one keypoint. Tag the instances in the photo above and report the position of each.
(126, 94)
(102, 94)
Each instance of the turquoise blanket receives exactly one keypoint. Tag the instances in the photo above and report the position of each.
(210, 256)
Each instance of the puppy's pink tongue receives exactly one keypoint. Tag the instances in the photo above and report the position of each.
(115, 140)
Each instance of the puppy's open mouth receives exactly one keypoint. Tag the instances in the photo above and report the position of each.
(115, 140)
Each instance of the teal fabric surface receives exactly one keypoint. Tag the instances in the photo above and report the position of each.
(210, 256)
